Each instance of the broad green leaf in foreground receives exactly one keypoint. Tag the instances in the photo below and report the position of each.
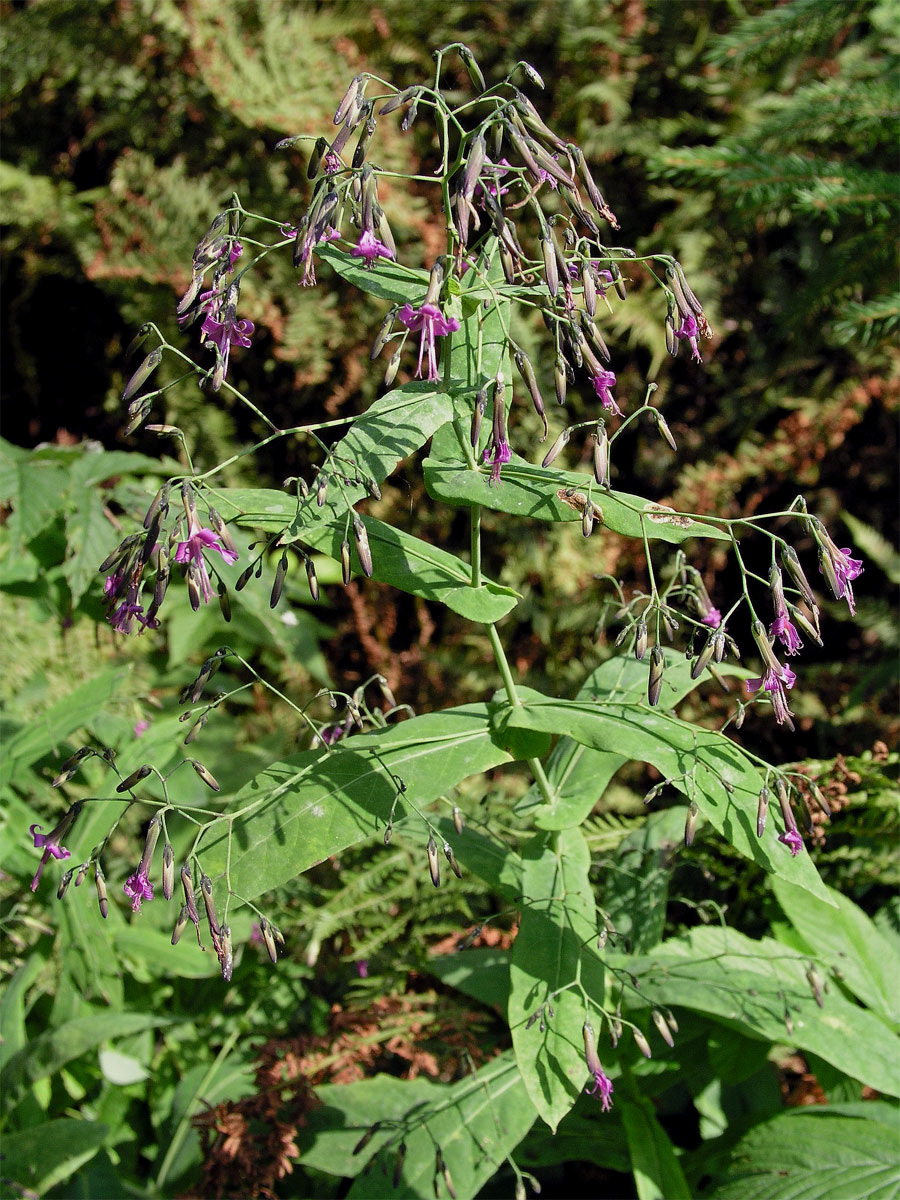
(761, 988)
(578, 775)
(317, 803)
(554, 947)
(389, 431)
(703, 764)
(53, 1049)
(475, 1123)
(387, 280)
(654, 1164)
(527, 490)
(817, 1152)
(44, 1155)
(849, 943)
(417, 567)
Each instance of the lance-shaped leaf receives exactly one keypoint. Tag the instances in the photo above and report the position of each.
(475, 1123)
(761, 988)
(553, 948)
(577, 774)
(654, 1164)
(551, 494)
(817, 1151)
(848, 943)
(50, 1153)
(317, 803)
(701, 763)
(386, 279)
(388, 432)
(415, 566)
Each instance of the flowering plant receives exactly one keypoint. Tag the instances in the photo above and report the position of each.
(536, 246)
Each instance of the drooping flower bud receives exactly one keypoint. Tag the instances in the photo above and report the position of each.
(662, 1027)
(133, 778)
(102, 897)
(70, 766)
(457, 819)
(654, 683)
(451, 859)
(690, 823)
(206, 775)
(168, 871)
(64, 883)
(640, 640)
(762, 811)
(642, 1044)
(361, 538)
(600, 442)
(791, 564)
(143, 373)
(555, 450)
(345, 562)
(278, 582)
(434, 866)
(180, 925)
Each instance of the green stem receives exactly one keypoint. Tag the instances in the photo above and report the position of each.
(475, 525)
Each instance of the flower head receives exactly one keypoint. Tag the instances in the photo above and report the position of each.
(783, 628)
(191, 551)
(430, 322)
(498, 453)
(777, 681)
(138, 888)
(51, 843)
(602, 1083)
(123, 617)
(792, 839)
(712, 617)
(603, 383)
(840, 569)
(222, 330)
(690, 331)
(370, 248)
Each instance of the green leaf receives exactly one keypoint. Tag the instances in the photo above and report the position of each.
(50, 1051)
(51, 727)
(654, 1164)
(121, 1069)
(482, 973)
(48, 1154)
(36, 492)
(317, 803)
(476, 1123)
(838, 1157)
(849, 943)
(579, 775)
(12, 1006)
(554, 942)
(87, 534)
(160, 957)
(417, 567)
(637, 882)
(698, 762)
(756, 986)
(539, 493)
(388, 280)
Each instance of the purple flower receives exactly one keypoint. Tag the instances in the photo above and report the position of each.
(497, 170)
(603, 1088)
(234, 254)
(777, 681)
(712, 617)
(362, 968)
(602, 1083)
(546, 177)
(690, 331)
(331, 163)
(369, 248)
(191, 551)
(51, 843)
(843, 568)
(497, 453)
(138, 887)
(602, 385)
(122, 619)
(308, 279)
(141, 728)
(792, 839)
(782, 627)
(431, 323)
(223, 330)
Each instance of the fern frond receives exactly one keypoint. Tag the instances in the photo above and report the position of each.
(869, 323)
(784, 31)
(875, 547)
